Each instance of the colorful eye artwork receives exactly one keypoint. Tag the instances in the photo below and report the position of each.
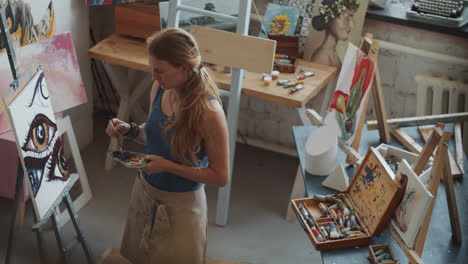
(39, 143)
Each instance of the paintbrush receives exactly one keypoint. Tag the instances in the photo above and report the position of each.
(118, 137)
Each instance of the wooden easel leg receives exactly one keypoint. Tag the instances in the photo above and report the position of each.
(76, 223)
(58, 237)
(437, 171)
(14, 217)
(40, 244)
(18, 212)
(379, 107)
(21, 211)
(452, 201)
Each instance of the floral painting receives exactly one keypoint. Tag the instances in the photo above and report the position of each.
(353, 84)
(280, 20)
(39, 144)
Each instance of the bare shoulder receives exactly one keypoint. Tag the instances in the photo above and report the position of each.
(214, 117)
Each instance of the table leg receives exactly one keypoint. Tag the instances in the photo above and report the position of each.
(298, 191)
(127, 99)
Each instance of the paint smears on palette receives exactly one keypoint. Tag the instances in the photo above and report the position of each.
(132, 160)
(57, 58)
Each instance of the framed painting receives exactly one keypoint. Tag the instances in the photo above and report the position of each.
(335, 23)
(281, 20)
(410, 213)
(40, 145)
(57, 58)
(352, 87)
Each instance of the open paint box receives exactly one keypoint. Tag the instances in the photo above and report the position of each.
(363, 210)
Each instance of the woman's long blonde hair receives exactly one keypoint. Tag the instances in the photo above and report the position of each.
(178, 47)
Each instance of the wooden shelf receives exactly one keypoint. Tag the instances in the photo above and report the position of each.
(131, 53)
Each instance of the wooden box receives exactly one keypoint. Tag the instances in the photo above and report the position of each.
(286, 45)
(375, 248)
(373, 195)
(137, 20)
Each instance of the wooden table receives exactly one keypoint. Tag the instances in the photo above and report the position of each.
(132, 54)
(439, 247)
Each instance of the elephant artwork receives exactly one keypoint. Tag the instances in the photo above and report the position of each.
(353, 84)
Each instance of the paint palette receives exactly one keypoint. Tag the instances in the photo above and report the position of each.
(132, 160)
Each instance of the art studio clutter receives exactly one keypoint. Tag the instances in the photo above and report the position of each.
(351, 218)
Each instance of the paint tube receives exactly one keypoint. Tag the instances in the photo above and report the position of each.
(317, 234)
(323, 208)
(333, 231)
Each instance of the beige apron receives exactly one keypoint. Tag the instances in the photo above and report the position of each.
(165, 227)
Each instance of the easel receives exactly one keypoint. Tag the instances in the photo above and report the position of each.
(439, 139)
(17, 85)
(371, 48)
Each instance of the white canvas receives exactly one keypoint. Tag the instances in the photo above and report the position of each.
(39, 145)
(409, 214)
(352, 87)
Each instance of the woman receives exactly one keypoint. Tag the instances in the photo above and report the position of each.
(336, 19)
(185, 129)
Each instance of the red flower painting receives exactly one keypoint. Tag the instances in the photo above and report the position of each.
(347, 105)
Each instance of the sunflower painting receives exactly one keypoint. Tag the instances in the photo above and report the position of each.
(280, 20)
(280, 24)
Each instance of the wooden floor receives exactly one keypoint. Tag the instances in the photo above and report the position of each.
(112, 256)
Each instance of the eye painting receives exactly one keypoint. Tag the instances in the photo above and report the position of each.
(41, 147)
(44, 155)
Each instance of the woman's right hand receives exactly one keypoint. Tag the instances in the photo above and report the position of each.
(117, 127)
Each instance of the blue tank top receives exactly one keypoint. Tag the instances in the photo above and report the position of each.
(159, 144)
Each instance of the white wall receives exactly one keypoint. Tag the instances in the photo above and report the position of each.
(72, 16)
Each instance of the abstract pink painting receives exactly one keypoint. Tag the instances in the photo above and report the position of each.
(58, 60)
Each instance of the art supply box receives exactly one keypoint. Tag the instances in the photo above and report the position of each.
(372, 196)
(286, 45)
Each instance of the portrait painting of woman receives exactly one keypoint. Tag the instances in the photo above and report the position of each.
(334, 24)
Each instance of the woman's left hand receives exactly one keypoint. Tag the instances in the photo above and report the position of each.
(156, 164)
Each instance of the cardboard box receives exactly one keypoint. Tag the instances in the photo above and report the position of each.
(137, 20)
(373, 195)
